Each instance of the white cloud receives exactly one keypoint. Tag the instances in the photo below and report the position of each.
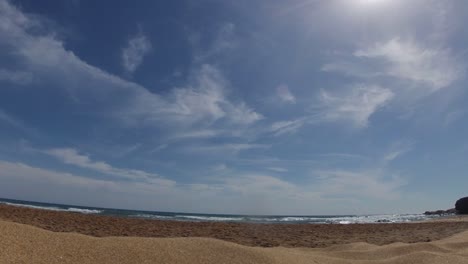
(434, 68)
(285, 95)
(226, 148)
(393, 155)
(258, 184)
(277, 169)
(4, 117)
(355, 106)
(409, 69)
(16, 77)
(246, 193)
(454, 116)
(396, 150)
(220, 168)
(133, 54)
(27, 174)
(242, 114)
(73, 157)
(15, 122)
(371, 184)
(286, 127)
(206, 133)
(224, 41)
(159, 148)
(32, 183)
(355, 69)
(202, 101)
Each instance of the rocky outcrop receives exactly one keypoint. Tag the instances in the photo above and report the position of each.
(462, 206)
(441, 212)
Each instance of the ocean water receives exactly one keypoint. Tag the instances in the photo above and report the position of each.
(283, 219)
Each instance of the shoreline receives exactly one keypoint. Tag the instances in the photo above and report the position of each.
(248, 234)
(231, 218)
(28, 244)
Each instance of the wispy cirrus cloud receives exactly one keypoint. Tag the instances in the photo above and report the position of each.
(73, 157)
(71, 188)
(4, 117)
(14, 122)
(428, 67)
(248, 192)
(277, 169)
(16, 77)
(195, 134)
(396, 150)
(203, 101)
(137, 48)
(200, 103)
(42, 184)
(285, 95)
(409, 69)
(232, 148)
(355, 106)
(287, 127)
(223, 41)
(434, 68)
(371, 183)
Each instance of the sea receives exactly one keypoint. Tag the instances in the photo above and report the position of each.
(279, 219)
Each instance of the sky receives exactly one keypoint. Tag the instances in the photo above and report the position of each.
(302, 107)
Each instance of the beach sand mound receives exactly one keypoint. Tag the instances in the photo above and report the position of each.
(26, 244)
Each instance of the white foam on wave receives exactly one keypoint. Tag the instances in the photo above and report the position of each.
(83, 211)
(209, 218)
(395, 218)
(384, 218)
(292, 219)
(52, 208)
(151, 216)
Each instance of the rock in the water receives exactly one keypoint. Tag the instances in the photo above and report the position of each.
(462, 205)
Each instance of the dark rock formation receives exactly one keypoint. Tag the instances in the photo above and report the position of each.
(441, 212)
(462, 205)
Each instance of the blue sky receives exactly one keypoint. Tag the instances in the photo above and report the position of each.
(253, 107)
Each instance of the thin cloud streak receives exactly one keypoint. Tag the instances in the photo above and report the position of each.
(433, 68)
(285, 95)
(287, 127)
(133, 54)
(73, 157)
(16, 77)
(355, 106)
(201, 103)
(249, 193)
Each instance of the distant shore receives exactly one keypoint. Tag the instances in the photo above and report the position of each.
(260, 235)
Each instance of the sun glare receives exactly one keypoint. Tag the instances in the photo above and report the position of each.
(369, 2)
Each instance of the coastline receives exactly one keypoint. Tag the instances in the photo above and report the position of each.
(450, 218)
(28, 244)
(247, 234)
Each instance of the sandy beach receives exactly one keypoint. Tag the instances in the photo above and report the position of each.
(27, 244)
(39, 236)
(258, 235)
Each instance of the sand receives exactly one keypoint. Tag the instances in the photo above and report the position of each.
(27, 244)
(39, 236)
(259, 235)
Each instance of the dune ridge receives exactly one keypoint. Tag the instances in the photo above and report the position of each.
(27, 244)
